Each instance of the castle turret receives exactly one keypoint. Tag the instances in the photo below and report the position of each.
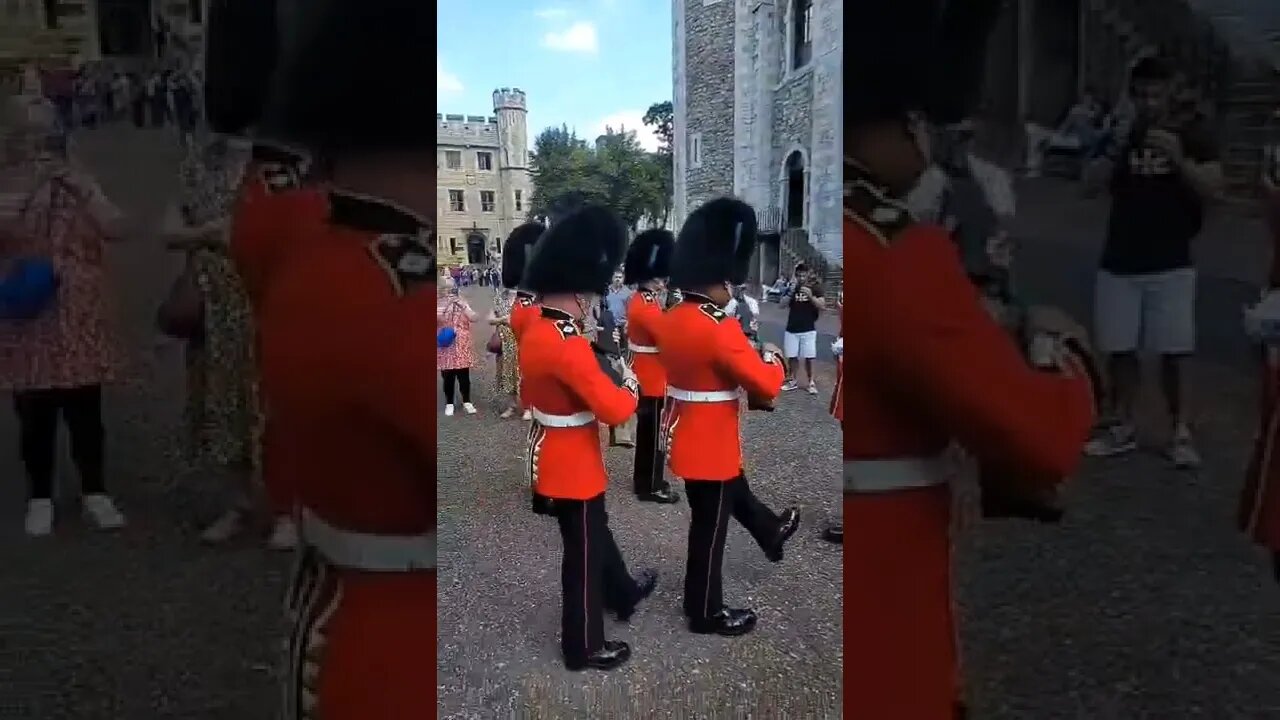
(513, 131)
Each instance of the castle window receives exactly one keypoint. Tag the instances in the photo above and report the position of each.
(197, 11)
(453, 159)
(519, 201)
(796, 192)
(51, 14)
(484, 161)
(457, 203)
(695, 150)
(486, 201)
(801, 33)
(453, 243)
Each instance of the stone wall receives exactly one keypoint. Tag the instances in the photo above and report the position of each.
(708, 96)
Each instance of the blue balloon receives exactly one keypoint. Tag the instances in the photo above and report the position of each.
(28, 289)
(445, 337)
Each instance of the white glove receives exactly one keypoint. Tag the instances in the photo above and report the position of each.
(628, 374)
(837, 347)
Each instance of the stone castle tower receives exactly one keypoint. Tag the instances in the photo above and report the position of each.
(513, 128)
(757, 114)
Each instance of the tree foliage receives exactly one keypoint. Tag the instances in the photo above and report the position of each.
(616, 172)
(660, 117)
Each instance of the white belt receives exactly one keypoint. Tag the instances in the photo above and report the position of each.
(642, 349)
(703, 396)
(364, 551)
(577, 419)
(892, 474)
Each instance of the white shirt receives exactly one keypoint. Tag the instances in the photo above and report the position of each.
(753, 305)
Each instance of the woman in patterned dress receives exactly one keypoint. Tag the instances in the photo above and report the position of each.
(456, 360)
(507, 379)
(57, 363)
(224, 414)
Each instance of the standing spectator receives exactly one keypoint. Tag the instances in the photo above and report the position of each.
(157, 98)
(184, 108)
(138, 99)
(507, 360)
(57, 362)
(800, 341)
(1145, 293)
(456, 358)
(59, 88)
(747, 310)
(615, 304)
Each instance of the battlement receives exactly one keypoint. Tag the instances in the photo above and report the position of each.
(509, 99)
(466, 128)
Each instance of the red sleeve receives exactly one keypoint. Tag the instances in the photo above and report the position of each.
(644, 315)
(404, 386)
(520, 315)
(943, 354)
(761, 378)
(580, 372)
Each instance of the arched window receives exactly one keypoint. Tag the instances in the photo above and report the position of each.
(801, 33)
(795, 191)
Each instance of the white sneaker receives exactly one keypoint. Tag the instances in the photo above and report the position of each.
(813, 388)
(527, 416)
(39, 518)
(284, 535)
(224, 528)
(448, 411)
(1182, 451)
(101, 510)
(471, 409)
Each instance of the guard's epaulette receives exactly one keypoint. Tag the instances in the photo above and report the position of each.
(875, 211)
(649, 296)
(409, 260)
(567, 328)
(280, 178)
(524, 300)
(713, 311)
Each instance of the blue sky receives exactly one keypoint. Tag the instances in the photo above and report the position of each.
(586, 63)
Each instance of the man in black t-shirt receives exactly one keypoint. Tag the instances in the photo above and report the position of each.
(800, 341)
(1145, 293)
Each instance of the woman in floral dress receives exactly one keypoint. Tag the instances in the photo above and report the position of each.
(507, 378)
(224, 413)
(457, 358)
(57, 363)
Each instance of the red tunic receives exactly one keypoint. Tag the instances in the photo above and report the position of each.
(1260, 500)
(562, 379)
(926, 366)
(644, 315)
(837, 394)
(352, 390)
(524, 309)
(704, 350)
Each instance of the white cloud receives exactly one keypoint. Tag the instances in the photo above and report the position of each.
(631, 121)
(551, 13)
(578, 37)
(446, 82)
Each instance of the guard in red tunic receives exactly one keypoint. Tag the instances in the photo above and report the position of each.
(710, 366)
(647, 266)
(515, 256)
(570, 396)
(834, 532)
(347, 352)
(1259, 514)
(926, 366)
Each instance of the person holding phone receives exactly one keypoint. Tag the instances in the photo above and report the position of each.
(800, 341)
(456, 358)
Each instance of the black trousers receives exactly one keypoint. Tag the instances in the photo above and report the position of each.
(593, 576)
(712, 503)
(38, 412)
(650, 470)
(460, 378)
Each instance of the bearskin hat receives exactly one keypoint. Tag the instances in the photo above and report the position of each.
(240, 54)
(649, 256)
(917, 56)
(715, 245)
(578, 254)
(515, 252)
(349, 85)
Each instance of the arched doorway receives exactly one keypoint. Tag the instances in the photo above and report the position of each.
(795, 192)
(124, 28)
(476, 252)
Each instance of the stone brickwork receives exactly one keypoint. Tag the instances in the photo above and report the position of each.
(735, 76)
(492, 154)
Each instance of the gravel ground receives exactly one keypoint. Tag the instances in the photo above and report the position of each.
(499, 605)
(145, 624)
(1145, 603)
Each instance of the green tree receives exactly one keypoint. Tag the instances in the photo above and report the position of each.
(659, 116)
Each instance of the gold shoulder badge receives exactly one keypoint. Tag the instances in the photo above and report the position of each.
(567, 328)
(408, 260)
(279, 178)
(524, 300)
(713, 311)
(649, 296)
